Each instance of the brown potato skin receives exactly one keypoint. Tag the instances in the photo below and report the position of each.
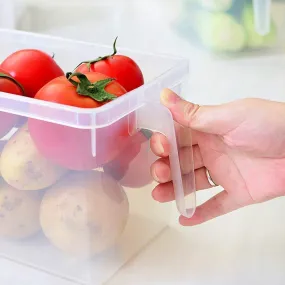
(23, 167)
(85, 213)
(19, 212)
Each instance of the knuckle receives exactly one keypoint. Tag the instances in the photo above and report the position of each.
(190, 111)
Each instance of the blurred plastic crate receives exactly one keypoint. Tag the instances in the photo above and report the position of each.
(227, 27)
(44, 16)
(9, 13)
(84, 225)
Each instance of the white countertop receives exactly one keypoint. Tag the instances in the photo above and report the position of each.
(246, 247)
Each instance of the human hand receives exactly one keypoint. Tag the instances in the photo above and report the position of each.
(242, 144)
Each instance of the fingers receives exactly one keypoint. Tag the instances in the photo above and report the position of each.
(217, 120)
(161, 170)
(164, 193)
(185, 137)
(190, 157)
(159, 145)
(201, 179)
(219, 205)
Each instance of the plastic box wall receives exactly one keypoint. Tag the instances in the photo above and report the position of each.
(226, 28)
(40, 16)
(147, 218)
(223, 32)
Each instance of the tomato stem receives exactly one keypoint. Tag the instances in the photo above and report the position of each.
(100, 58)
(95, 90)
(5, 76)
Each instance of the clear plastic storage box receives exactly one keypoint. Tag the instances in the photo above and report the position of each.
(233, 27)
(83, 225)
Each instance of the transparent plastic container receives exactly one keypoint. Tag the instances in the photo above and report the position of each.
(233, 27)
(82, 226)
(57, 16)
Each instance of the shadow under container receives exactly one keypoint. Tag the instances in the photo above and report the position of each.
(76, 191)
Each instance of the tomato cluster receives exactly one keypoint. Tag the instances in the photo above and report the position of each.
(92, 84)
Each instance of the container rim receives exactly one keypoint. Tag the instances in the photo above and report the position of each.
(131, 101)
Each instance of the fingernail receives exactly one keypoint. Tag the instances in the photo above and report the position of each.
(159, 147)
(169, 98)
(155, 175)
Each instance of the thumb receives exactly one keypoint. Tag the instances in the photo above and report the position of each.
(209, 119)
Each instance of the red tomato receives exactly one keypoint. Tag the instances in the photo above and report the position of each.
(120, 67)
(8, 85)
(32, 68)
(132, 166)
(72, 147)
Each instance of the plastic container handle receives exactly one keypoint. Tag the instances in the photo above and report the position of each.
(262, 14)
(158, 118)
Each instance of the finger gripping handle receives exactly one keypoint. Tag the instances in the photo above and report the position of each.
(156, 117)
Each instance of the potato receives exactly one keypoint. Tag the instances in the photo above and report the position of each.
(19, 212)
(23, 167)
(85, 213)
(2, 144)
